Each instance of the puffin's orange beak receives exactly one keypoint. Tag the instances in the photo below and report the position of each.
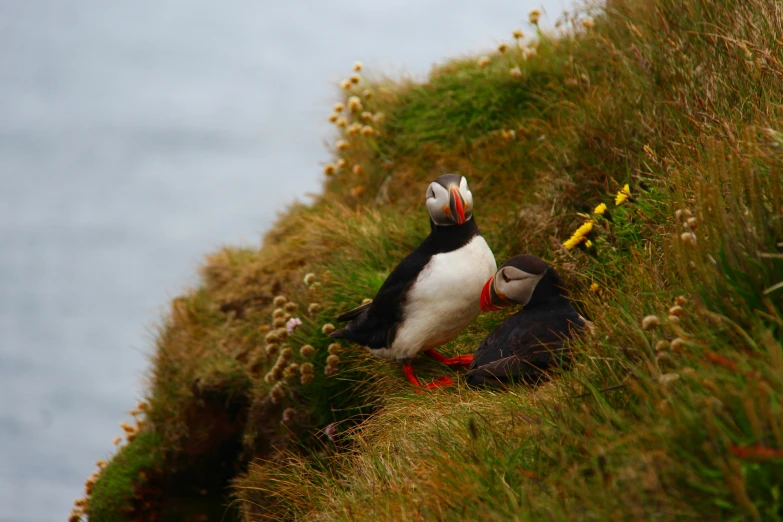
(486, 297)
(456, 205)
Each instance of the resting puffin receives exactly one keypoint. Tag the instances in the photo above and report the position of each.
(433, 294)
(529, 342)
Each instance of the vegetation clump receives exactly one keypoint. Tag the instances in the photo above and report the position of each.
(639, 149)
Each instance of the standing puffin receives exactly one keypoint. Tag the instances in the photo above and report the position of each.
(529, 342)
(433, 294)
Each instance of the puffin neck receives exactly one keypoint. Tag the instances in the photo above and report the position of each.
(452, 237)
(550, 289)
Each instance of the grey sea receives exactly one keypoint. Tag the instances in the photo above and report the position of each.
(136, 137)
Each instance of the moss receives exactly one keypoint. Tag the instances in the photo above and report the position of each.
(119, 485)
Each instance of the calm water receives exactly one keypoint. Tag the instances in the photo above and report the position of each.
(135, 138)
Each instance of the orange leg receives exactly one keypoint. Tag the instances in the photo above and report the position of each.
(460, 360)
(440, 382)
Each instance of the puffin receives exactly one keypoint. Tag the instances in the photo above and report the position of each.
(529, 343)
(433, 293)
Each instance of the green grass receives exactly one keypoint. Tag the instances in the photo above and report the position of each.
(680, 99)
(114, 495)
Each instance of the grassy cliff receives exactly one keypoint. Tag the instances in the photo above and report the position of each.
(667, 111)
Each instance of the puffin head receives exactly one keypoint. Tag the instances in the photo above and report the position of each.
(449, 200)
(524, 280)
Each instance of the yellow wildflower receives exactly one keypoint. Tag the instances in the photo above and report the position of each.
(588, 243)
(594, 287)
(600, 209)
(585, 229)
(573, 241)
(622, 195)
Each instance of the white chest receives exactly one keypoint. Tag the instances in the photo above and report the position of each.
(444, 299)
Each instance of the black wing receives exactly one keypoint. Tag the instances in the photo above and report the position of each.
(374, 325)
(524, 347)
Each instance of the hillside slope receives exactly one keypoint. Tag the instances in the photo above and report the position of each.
(668, 112)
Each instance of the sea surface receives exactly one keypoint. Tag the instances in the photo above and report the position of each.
(135, 138)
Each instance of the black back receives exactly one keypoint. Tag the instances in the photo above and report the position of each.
(527, 344)
(375, 325)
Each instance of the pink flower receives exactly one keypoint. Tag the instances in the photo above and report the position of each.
(292, 323)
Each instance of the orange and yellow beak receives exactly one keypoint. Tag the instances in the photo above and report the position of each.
(457, 205)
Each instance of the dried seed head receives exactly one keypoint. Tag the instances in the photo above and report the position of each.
(327, 328)
(278, 322)
(307, 368)
(588, 23)
(346, 84)
(534, 16)
(279, 312)
(357, 169)
(515, 72)
(279, 301)
(341, 163)
(291, 306)
(288, 414)
(662, 345)
(270, 377)
(333, 360)
(277, 393)
(689, 238)
(693, 223)
(674, 319)
(333, 117)
(306, 351)
(329, 169)
(338, 107)
(341, 144)
(378, 117)
(353, 128)
(314, 308)
(676, 344)
(678, 215)
(367, 130)
(358, 66)
(354, 104)
(306, 378)
(502, 48)
(291, 371)
(330, 370)
(101, 464)
(286, 354)
(529, 52)
(355, 78)
(518, 33)
(676, 310)
(483, 61)
(650, 322)
(341, 122)
(335, 349)
(116, 440)
(366, 116)
(272, 349)
(667, 379)
(680, 300)
(663, 358)
(272, 337)
(367, 94)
